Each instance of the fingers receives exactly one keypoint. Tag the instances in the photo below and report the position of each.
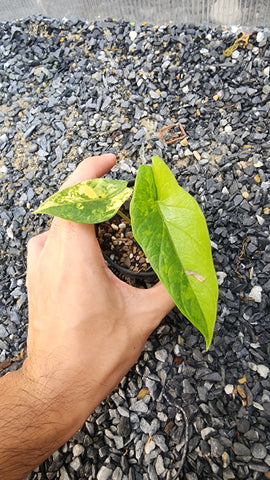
(151, 306)
(35, 245)
(92, 167)
(34, 248)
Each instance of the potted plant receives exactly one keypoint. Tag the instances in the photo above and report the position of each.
(167, 223)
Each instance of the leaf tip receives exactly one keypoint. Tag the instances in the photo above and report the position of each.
(35, 212)
(208, 342)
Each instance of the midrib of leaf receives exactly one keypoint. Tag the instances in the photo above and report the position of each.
(178, 227)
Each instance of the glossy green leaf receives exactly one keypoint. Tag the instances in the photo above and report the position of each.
(92, 201)
(171, 229)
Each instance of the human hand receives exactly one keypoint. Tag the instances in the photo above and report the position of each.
(86, 327)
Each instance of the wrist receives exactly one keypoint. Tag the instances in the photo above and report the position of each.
(51, 397)
(37, 421)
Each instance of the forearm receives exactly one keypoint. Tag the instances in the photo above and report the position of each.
(33, 424)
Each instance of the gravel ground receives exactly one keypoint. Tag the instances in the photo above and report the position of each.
(69, 89)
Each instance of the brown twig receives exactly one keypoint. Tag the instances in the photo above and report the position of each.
(242, 253)
(173, 137)
(240, 41)
(18, 357)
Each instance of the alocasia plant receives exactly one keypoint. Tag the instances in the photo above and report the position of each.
(169, 226)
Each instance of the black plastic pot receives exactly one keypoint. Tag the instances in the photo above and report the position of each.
(147, 275)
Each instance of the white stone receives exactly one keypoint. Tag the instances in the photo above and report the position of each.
(221, 277)
(77, 450)
(228, 129)
(10, 233)
(75, 464)
(256, 293)
(235, 54)
(3, 169)
(63, 474)
(207, 432)
(119, 442)
(132, 35)
(204, 52)
(160, 469)
(265, 185)
(260, 37)
(3, 138)
(162, 416)
(161, 355)
(263, 370)
(260, 220)
(232, 239)
(229, 389)
(258, 406)
(123, 411)
(125, 167)
(104, 473)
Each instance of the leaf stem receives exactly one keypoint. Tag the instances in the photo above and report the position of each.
(122, 215)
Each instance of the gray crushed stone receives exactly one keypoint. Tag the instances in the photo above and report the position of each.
(69, 89)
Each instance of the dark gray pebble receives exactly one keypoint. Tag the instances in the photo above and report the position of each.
(258, 451)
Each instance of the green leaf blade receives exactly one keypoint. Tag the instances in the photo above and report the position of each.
(91, 201)
(171, 229)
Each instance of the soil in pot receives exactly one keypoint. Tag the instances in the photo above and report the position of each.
(120, 249)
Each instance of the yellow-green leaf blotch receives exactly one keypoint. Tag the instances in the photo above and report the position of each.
(92, 201)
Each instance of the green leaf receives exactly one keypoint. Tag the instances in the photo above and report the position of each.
(92, 201)
(171, 229)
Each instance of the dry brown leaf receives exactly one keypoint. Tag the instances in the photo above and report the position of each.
(242, 380)
(168, 428)
(178, 360)
(257, 178)
(142, 393)
(149, 446)
(197, 155)
(241, 391)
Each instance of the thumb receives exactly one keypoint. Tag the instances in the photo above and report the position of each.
(152, 305)
(91, 167)
(34, 247)
(161, 300)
